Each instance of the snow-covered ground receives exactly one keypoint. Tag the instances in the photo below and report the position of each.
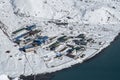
(3, 77)
(96, 19)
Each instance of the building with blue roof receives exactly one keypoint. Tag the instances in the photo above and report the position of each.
(37, 42)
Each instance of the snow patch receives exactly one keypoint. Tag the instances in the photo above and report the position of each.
(4, 77)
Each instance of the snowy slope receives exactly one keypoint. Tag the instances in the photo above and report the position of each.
(53, 9)
(44, 8)
(103, 15)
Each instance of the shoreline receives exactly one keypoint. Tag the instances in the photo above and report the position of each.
(49, 76)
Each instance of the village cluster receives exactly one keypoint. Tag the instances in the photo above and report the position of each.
(29, 39)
